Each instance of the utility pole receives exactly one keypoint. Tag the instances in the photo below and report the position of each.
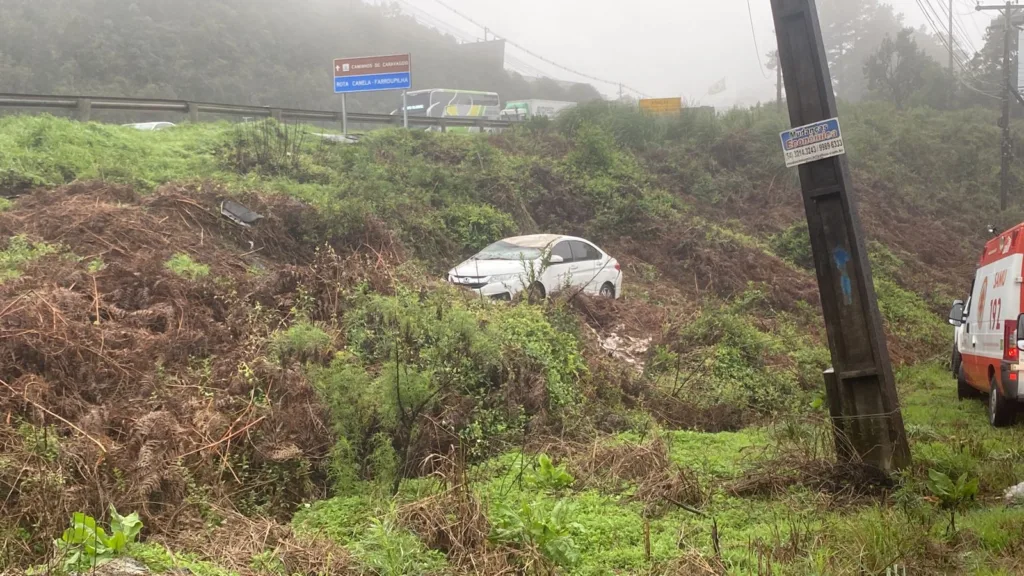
(620, 92)
(861, 388)
(1007, 146)
(778, 81)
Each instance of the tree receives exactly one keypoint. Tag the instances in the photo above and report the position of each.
(255, 52)
(986, 68)
(897, 69)
(774, 64)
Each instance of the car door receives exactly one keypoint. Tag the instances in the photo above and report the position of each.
(584, 266)
(559, 274)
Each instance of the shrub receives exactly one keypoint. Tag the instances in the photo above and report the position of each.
(183, 265)
(474, 226)
(794, 244)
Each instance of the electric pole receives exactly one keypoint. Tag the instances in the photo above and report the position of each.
(861, 388)
(1007, 147)
(778, 81)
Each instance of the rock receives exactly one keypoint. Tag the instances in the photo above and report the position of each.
(1015, 495)
(120, 567)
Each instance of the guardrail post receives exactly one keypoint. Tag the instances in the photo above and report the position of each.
(443, 125)
(84, 109)
(193, 112)
(275, 113)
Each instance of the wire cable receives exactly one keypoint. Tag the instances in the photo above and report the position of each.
(760, 65)
(542, 58)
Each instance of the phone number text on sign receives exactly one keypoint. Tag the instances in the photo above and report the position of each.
(812, 142)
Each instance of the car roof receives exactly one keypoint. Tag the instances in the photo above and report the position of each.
(542, 240)
(534, 240)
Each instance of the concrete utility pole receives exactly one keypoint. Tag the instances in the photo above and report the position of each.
(861, 388)
(778, 82)
(1007, 147)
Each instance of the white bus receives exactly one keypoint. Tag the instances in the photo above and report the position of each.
(444, 103)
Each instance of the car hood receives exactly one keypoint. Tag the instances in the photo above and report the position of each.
(485, 268)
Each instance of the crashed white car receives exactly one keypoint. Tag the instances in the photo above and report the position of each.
(543, 264)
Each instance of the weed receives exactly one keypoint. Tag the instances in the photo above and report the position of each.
(953, 496)
(539, 525)
(302, 341)
(5, 204)
(42, 441)
(388, 550)
(183, 265)
(547, 476)
(86, 545)
(19, 253)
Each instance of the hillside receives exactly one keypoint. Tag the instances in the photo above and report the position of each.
(256, 52)
(308, 396)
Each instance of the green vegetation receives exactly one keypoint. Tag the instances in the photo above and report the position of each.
(436, 426)
(183, 265)
(20, 251)
(86, 545)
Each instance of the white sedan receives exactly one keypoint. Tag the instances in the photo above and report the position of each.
(543, 264)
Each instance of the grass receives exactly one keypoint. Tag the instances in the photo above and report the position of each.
(183, 265)
(441, 196)
(160, 559)
(20, 252)
(797, 532)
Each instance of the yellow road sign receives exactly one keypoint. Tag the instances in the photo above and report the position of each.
(662, 106)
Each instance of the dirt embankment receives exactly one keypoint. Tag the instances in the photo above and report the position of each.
(156, 384)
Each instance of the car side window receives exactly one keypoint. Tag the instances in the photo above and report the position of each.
(564, 250)
(581, 251)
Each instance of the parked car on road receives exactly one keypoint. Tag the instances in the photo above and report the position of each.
(542, 264)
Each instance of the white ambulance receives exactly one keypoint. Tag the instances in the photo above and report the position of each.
(987, 355)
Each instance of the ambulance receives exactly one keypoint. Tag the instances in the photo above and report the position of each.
(988, 349)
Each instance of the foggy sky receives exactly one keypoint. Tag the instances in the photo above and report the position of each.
(660, 47)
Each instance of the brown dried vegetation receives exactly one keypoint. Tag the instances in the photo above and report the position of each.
(154, 385)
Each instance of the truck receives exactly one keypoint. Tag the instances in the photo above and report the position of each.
(526, 109)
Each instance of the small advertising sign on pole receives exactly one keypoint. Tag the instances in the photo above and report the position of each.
(813, 142)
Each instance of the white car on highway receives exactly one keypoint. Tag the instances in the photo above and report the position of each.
(543, 264)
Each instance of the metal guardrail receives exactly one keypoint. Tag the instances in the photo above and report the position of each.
(84, 105)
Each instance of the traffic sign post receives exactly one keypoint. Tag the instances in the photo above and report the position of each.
(371, 74)
(861, 391)
(344, 115)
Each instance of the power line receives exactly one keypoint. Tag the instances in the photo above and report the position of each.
(945, 42)
(542, 58)
(757, 50)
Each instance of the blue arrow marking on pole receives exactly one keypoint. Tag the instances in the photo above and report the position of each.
(842, 259)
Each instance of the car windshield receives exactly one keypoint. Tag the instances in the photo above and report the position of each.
(503, 250)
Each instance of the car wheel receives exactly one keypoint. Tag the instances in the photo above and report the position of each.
(1001, 412)
(608, 291)
(536, 292)
(963, 389)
